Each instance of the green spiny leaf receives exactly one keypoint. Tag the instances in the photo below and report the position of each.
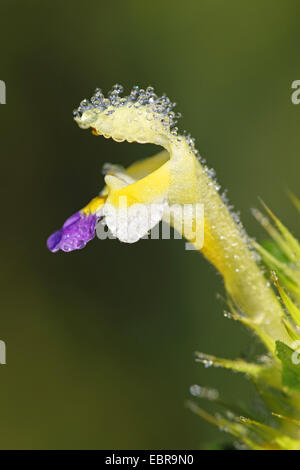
(290, 369)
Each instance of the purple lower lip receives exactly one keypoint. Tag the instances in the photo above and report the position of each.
(76, 232)
(71, 220)
(53, 241)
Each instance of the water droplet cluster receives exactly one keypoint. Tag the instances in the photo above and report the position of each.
(203, 392)
(161, 106)
(191, 142)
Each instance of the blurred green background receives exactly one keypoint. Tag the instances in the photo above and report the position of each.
(100, 342)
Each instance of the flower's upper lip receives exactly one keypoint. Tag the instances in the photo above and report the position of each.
(131, 118)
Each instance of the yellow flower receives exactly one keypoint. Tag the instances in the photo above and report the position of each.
(175, 176)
